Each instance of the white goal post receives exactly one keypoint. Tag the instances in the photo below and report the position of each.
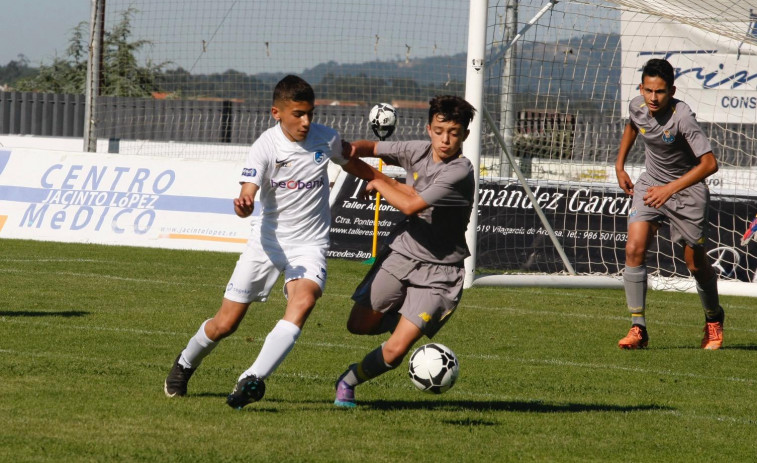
(552, 81)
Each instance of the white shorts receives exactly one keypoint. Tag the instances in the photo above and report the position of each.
(259, 266)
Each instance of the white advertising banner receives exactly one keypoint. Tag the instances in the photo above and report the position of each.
(122, 200)
(716, 75)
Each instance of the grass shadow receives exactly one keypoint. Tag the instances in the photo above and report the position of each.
(209, 394)
(31, 313)
(740, 346)
(506, 406)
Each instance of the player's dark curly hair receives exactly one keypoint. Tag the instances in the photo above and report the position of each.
(293, 88)
(451, 108)
(661, 68)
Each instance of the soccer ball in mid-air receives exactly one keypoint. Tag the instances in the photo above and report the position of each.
(433, 368)
(383, 119)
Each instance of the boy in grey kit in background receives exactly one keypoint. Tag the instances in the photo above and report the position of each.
(678, 159)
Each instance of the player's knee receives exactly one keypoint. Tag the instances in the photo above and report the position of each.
(218, 329)
(355, 326)
(693, 267)
(394, 353)
(696, 262)
(635, 251)
(702, 271)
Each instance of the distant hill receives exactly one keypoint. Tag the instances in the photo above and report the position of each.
(583, 68)
(588, 67)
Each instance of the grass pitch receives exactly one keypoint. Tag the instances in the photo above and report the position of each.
(88, 334)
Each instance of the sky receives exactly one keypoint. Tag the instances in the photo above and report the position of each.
(252, 36)
(38, 28)
(246, 35)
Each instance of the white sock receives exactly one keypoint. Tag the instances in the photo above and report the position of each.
(197, 348)
(277, 345)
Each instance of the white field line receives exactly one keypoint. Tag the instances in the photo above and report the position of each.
(528, 361)
(356, 347)
(60, 259)
(546, 313)
(180, 283)
(553, 313)
(111, 277)
(464, 393)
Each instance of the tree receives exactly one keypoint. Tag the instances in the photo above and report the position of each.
(15, 70)
(122, 74)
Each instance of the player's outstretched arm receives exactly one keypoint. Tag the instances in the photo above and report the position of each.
(626, 142)
(360, 169)
(359, 149)
(397, 194)
(245, 203)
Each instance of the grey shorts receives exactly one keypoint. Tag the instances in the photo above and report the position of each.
(424, 293)
(686, 211)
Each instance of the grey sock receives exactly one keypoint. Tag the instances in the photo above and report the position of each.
(371, 366)
(708, 294)
(635, 284)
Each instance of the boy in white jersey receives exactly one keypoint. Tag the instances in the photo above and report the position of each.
(678, 159)
(287, 167)
(417, 281)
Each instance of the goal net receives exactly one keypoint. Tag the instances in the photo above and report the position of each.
(214, 65)
(558, 78)
(557, 95)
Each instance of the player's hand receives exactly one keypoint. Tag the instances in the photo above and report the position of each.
(370, 189)
(625, 183)
(244, 205)
(657, 196)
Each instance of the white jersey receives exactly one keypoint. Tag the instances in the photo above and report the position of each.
(294, 185)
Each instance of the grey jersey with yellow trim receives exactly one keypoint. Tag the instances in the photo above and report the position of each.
(673, 140)
(437, 233)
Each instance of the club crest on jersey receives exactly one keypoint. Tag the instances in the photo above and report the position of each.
(667, 137)
(319, 157)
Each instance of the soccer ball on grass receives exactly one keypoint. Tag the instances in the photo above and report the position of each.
(433, 368)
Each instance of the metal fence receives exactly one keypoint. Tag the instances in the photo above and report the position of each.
(594, 139)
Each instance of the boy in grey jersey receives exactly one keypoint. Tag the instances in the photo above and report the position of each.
(417, 280)
(678, 159)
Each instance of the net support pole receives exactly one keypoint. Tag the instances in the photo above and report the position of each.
(94, 73)
(474, 94)
(523, 30)
(529, 193)
(507, 98)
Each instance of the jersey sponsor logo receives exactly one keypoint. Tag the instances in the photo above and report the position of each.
(319, 157)
(283, 163)
(642, 130)
(294, 184)
(249, 172)
(425, 317)
(632, 212)
(668, 137)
